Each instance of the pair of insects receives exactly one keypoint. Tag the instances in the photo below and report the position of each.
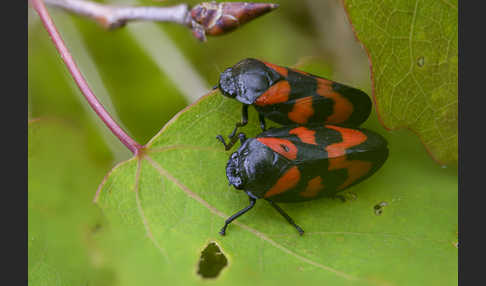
(318, 152)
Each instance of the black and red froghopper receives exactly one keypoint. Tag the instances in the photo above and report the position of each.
(300, 163)
(290, 96)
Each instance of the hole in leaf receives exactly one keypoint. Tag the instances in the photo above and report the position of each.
(420, 61)
(379, 208)
(212, 261)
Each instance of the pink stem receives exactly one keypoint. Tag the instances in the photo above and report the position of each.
(80, 81)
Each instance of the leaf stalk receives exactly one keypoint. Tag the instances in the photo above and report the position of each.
(93, 101)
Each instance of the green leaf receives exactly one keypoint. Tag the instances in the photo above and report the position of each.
(412, 46)
(166, 205)
(63, 222)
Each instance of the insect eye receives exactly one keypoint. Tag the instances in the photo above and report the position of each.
(256, 82)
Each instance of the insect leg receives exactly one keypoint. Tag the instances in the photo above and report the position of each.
(341, 197)
(233, 140)
(227, 146)
(286, 216)
(261, 118)
(221, 139)
(244, 120)
(242, 137)
(236, 215)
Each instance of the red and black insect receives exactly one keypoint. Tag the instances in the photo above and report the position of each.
(290, 96)
(301, 163)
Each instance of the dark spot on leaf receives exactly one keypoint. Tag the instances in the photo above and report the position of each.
(420, 61)
(348, 196)
(212, 261)
(379, 208)
(96, 228)
(341, 197)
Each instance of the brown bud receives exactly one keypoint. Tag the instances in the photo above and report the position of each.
(214, 18)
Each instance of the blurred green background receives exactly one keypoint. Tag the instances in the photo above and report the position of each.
(144, 74)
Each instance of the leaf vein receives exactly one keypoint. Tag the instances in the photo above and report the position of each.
(262, 236)
(141, 212)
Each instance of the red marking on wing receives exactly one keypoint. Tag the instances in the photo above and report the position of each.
(342, 109)
(313, 188)
(288, 180)
(302, 110)
(277, 93)
(281, 70)
(282, 146)
(324, 85)
(350, 138)
(356, 169)
(337, 155)
(305, 135)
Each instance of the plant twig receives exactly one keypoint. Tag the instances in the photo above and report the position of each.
(115, 16)
(80, 81)
(207, 18)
